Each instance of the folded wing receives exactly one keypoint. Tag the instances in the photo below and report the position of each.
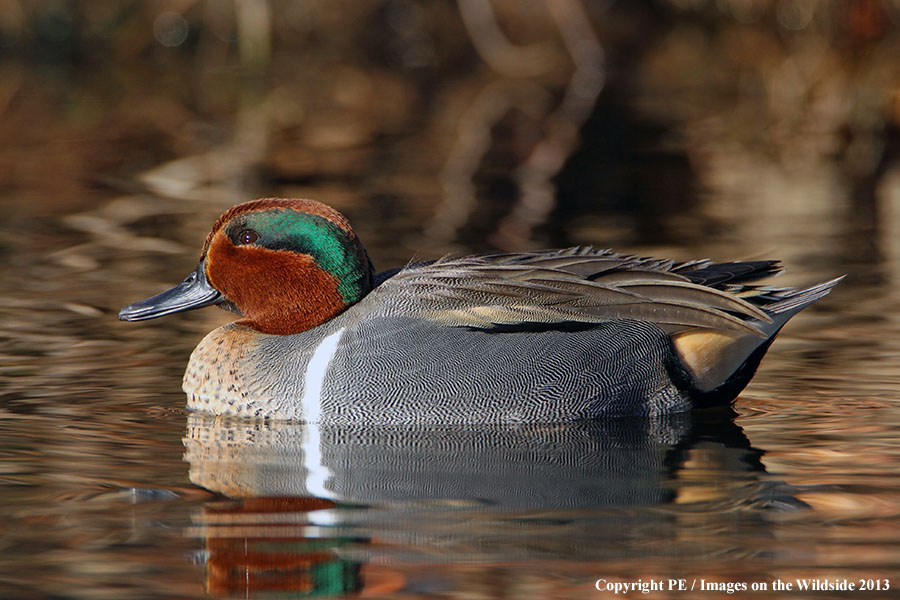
(715, 313)
(572, 285)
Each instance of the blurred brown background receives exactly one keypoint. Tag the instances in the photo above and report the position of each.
(499, 124)
(680, 128)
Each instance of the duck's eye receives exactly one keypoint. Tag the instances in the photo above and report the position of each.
(247, 236)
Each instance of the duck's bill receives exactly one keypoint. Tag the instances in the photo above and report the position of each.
(194, 292)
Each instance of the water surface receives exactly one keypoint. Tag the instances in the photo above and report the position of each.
(109, 489)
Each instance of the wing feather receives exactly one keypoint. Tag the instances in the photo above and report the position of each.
(580, 284)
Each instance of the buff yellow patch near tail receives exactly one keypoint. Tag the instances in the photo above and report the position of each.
(711, 356)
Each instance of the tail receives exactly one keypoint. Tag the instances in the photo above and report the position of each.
(724, 361)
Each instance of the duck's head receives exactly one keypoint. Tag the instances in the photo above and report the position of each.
(284, 265)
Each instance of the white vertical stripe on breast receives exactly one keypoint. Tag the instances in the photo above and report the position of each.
(311, 402)
(317, 474)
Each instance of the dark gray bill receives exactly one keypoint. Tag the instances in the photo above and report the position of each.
(194, 292)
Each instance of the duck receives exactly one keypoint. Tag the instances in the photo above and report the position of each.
(544, 336)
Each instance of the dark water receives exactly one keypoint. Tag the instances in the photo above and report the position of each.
(713, 137)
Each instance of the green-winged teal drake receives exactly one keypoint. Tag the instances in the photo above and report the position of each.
(544, 336)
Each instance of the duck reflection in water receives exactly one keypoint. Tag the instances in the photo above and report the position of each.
(309, 501)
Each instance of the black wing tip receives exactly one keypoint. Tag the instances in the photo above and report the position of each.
(716, 274)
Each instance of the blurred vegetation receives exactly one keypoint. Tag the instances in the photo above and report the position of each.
(504, 120)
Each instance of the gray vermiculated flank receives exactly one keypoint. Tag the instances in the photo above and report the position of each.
(398, 369)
